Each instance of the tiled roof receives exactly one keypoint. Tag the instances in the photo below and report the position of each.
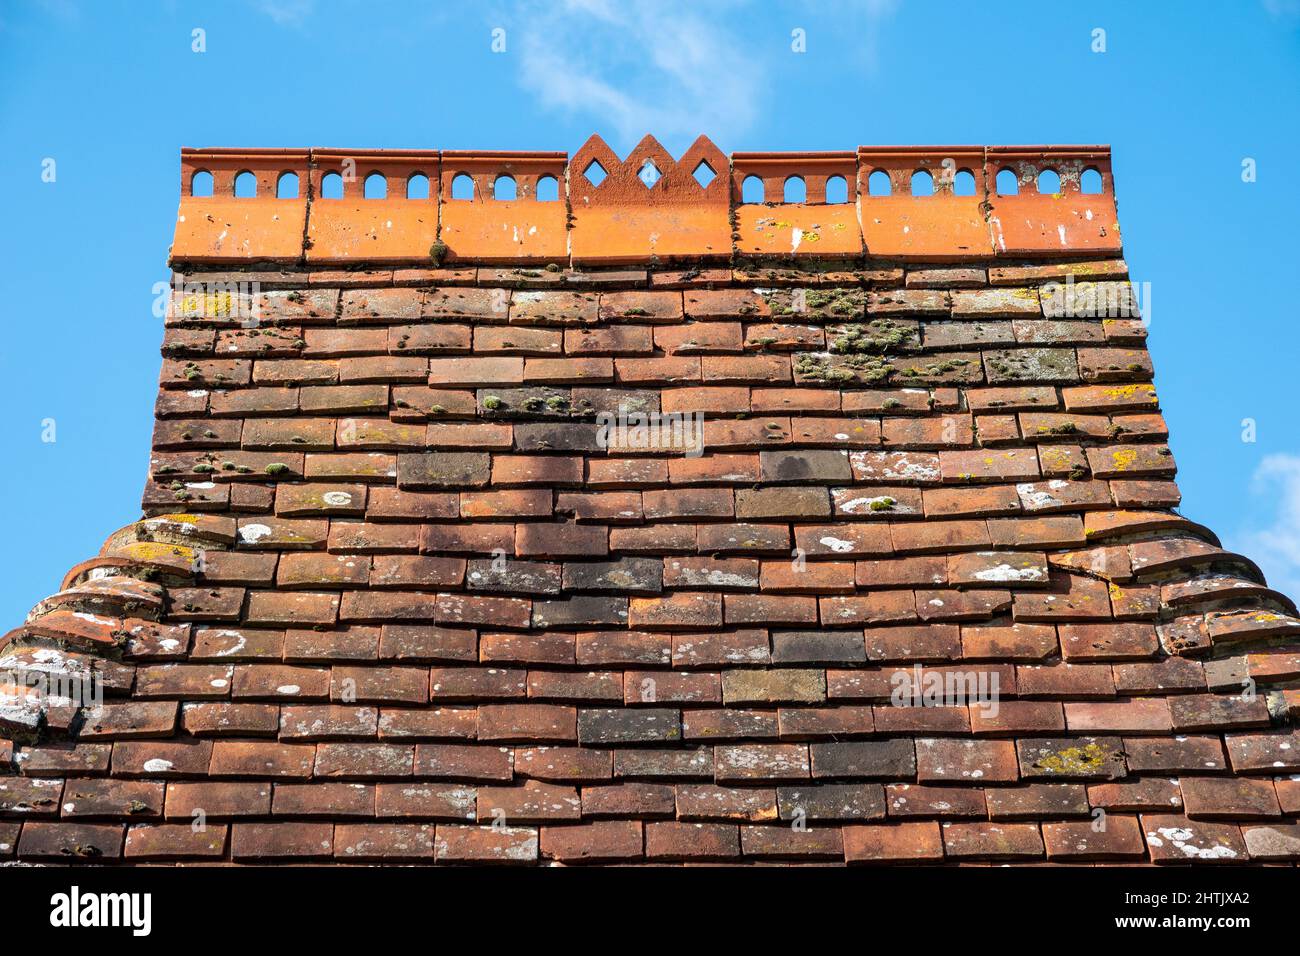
(432, 568)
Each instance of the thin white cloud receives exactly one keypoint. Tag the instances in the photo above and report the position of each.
(287, 13)
(1282, 8)
(637, 68)
(673, 68)
(66, 10)
(1276, 548)
(861, 20)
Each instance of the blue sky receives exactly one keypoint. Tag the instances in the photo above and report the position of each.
(111, 90)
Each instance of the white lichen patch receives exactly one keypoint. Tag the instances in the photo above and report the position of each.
(1005, 572)
(1185, 840)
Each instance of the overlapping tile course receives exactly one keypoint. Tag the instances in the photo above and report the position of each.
(393, 600)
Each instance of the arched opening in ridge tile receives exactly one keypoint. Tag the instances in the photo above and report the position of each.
(751, 190)
(704, 174)
(462, 186)
(795, 190)
(1007, 183)
(878, 184)
(331, 186)
(286, 187)
(376, 186)
(504, 189)
(963, 184)
(649, 174)
(548, 189)
(1090, 182)
(1049, 182)
(837, 191)
(417, 186)
(245, 185)
(201, 183)
(922, 183)
(595, 173)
